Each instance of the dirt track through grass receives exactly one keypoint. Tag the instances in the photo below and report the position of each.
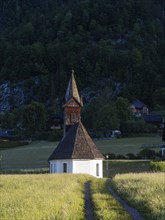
(133, 212)
(89, 214)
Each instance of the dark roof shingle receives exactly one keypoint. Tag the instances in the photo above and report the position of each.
(138, 104)
(77, 144)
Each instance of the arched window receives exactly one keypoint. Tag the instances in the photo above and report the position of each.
(64, 167)
(97, 169)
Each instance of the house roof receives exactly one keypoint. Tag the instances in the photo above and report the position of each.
(153, 118)
(138, 104)
(77, 144)
(5, 135)
(72, 91)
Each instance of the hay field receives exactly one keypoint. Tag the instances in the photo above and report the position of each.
(38, 197)
(144, 191)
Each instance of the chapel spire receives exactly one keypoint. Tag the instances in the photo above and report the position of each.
(72, 106)
(72, 91)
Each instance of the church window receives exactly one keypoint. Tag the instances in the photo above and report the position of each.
(64, 167)
(97, 169)
(51, 170)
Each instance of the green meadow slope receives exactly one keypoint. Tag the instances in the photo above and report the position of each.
(35, 155)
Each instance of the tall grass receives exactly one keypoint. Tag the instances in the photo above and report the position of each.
(36, 197)
(145, 192)
(105, 206)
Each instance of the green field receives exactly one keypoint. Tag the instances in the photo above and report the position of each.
(46, 196)
(145, 192)
(53, 203)
(38, 197)
(127, 145)
(35, 155)
(61, 196)
(125, 166)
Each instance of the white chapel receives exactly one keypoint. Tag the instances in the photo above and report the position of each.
(76, 152)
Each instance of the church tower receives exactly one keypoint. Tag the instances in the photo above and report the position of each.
(76, 152)
(73, 104)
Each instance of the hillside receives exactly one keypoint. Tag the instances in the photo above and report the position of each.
(122, 40)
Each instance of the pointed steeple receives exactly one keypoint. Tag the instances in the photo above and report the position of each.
(72, 91)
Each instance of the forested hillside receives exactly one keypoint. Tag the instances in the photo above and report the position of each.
(116, 47)
(122, 39)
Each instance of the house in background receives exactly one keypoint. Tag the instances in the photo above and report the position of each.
(6, 135)
(155, 120)
(55, 122)
(76, 153)
(138, 108)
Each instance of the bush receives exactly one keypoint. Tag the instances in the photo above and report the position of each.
(119, 156)
(139, 126)
(157, 166)
(42, 135)
(131, 156)
(147, 154)
(56, 135)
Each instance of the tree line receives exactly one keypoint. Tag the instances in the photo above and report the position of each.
(122, 40)
(99, 39)
(32, 121)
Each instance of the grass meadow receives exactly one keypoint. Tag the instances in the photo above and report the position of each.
(61, 196)
(48, 197)
(35, 155)
(42, 197)
(125, 166)
(124, 146)
(143, 191)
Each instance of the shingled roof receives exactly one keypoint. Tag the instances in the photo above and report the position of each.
(138, 104)
(77, 144)
(72, 91)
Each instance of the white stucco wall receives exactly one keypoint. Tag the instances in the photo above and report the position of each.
(78, 166)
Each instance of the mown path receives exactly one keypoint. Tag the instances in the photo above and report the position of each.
(89, 213)
(133, 212)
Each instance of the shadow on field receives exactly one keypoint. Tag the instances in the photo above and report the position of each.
(113, 167)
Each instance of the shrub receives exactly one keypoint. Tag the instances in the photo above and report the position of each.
(56, 135)
(147, 154)
(139, 126)
(131, 156)
(157, 166)
(42, 135)
(119, 156)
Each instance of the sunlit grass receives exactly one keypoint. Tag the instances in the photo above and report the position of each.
(105, 206)
(36, 197)
(145, 191)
